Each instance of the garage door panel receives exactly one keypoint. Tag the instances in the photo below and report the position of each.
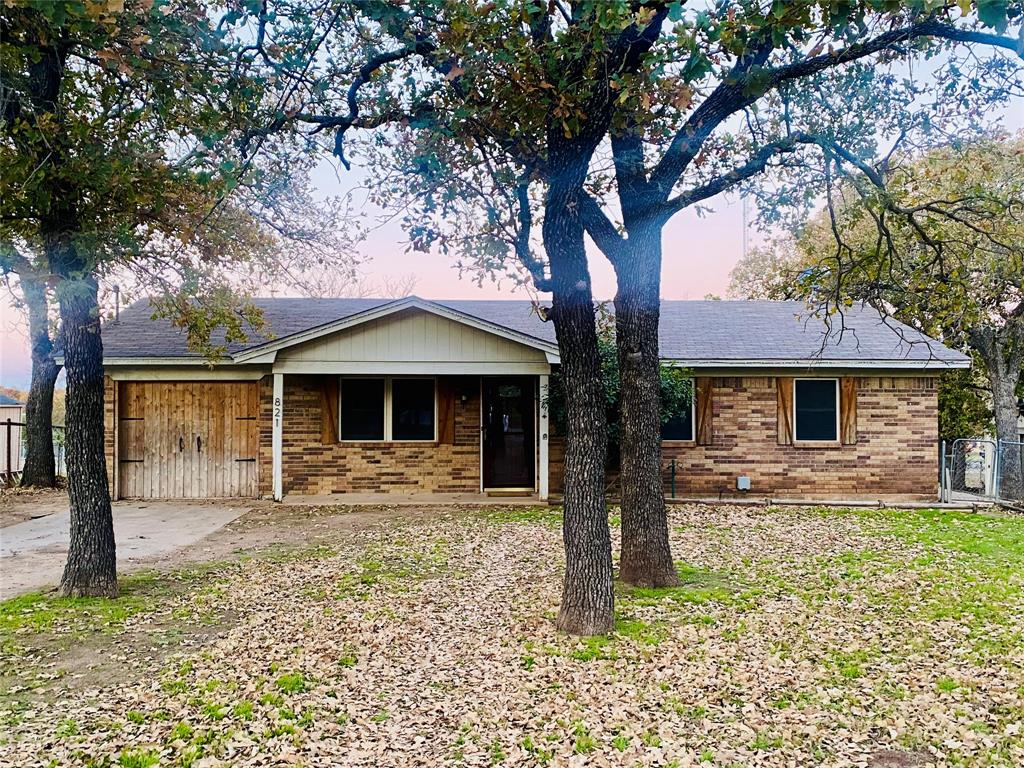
(187, 440)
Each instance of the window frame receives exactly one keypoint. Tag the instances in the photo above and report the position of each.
(692, 439)
(388, 410)
(797, 440)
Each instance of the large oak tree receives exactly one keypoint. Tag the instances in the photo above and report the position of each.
(519, 127)
(119, 157)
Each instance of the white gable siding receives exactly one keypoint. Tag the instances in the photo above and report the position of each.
(413, 336)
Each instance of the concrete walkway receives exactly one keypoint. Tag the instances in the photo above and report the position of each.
(32, 553)
(412, 499)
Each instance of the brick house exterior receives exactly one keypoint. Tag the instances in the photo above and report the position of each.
(894, 455)
(283, 415)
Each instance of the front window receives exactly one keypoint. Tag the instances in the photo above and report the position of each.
(816, 410)
(412, 409)
(387, 409)
(362, 409)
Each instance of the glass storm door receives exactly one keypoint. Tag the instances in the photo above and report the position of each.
(508, 427)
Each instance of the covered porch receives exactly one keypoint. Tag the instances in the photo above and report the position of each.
(410, 399)
(360, 438)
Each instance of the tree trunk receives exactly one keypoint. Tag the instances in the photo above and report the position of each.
(91, 568)
(646, 553)
(39, 469)
(588, 599)
(1002, 349)
(1004, 402)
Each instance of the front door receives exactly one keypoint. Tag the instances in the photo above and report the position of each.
(508, 432)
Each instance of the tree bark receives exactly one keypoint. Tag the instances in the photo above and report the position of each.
(1004, 401)
(646, 558)
(588, 600)
(39, 469)
(1002, 349)
(91, 569)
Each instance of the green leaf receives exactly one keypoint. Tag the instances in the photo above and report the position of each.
(993, 13)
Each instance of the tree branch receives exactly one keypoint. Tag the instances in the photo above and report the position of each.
(747, 82)
(757, 163)
(599, 226)
(522, 244)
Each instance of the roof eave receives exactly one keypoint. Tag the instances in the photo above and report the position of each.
(263, 351)
(902, 364)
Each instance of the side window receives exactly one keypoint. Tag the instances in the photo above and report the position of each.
(362, 409)
(679, 427)
(816, 410)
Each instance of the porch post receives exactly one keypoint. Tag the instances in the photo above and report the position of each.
(277, 417)
(542, 428)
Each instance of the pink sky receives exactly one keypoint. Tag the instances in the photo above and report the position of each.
(699, 253)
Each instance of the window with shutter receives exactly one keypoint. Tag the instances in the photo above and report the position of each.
(816, 410)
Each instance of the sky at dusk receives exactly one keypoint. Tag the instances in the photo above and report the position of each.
(699, 253)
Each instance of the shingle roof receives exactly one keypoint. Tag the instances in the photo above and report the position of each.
(8, 400)
(695, 332)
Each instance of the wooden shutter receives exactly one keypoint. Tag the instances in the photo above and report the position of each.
(446, 410)
(329, 410)
(784, 412)
(705, 411)
(848, 410)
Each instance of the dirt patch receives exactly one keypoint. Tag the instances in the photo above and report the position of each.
(268, 526)
(20, 504)
(897, 758)
(182, 587)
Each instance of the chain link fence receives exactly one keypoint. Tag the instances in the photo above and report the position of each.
(12, 451)
(1010, 470)
(983, 470)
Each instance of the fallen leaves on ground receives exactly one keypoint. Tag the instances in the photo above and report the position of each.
(798, 638)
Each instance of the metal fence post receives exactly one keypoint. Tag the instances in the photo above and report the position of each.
(942, 472)
(996, 470)
(9, 477)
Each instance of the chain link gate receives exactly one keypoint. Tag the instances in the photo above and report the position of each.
(1010, 471)
(981, 469)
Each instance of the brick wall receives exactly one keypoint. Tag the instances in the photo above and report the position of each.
(895, 456)
(110, 431)
(309, 466)
(556, 462)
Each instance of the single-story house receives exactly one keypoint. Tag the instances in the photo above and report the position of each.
(417, 396)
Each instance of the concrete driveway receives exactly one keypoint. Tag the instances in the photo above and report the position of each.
(32, 553)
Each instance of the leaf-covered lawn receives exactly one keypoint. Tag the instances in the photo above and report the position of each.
(799, 638)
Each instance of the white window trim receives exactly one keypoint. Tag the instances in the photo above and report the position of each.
(388, 409)
(816, 441)
(693, 422)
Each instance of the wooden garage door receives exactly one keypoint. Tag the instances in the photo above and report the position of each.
(187, 440)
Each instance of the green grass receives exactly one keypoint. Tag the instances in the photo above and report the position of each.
(38, 612)
(988, 542)
(946, 685)
(698, 586)
(583, 742)
(545, 515)
(182, 731)
(292, 682)
(970, 568)
(136, 758)
(42, 617)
